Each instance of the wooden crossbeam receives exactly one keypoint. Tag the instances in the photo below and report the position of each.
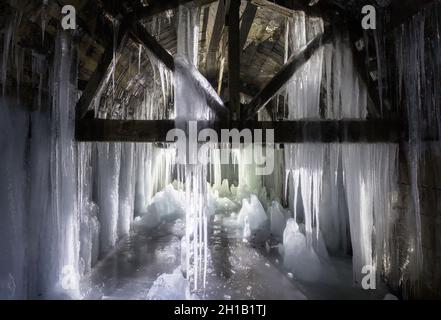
(247, 21)
(100, 130)
(142, 36)
(234, 51)
(284, 75)
(215, 38)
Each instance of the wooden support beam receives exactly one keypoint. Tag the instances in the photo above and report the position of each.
(142, 36)
(234, 52)
(215, 38)
(102, 73)
(247, 21)
(285, 74)
(101, 130)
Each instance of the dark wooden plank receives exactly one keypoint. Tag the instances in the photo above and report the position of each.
(100, 130)
(247, 21)
(142, 36)
(283, 76)
(215, 38)
(234, 51)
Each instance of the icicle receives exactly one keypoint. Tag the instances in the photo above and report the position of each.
(303, 90)
(139, 57)
(64, 203)
(369, 172)
(346, 93)
(7, 38)
(43, 19)
(19, 62)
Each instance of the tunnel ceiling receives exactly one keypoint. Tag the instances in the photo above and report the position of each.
(262, 53)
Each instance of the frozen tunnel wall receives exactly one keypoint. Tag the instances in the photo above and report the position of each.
(63, 204)
(409, 64)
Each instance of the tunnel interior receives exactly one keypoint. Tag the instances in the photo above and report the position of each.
(219, 150)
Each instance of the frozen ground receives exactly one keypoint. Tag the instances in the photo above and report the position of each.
(146, 265)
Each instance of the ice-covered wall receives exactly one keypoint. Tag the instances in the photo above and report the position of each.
(334, 189)
(409, 64)
(64, 204)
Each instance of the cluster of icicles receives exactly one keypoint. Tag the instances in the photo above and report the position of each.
(76, 199)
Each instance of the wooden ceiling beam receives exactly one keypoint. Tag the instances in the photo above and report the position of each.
(247, 22)
(143, 37)
(101, 130)
(215, 39)
(234, 52)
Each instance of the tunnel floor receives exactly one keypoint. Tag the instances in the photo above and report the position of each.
(236, 270)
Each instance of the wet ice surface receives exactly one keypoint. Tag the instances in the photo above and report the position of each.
(237, 269)
(138, 260)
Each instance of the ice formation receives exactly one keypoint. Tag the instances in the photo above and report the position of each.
(303, 90)
(165, 205)
(409, 76)
(191, 104)
(331, 66)
(68, 204)
(298, 257)
(252, 216)
(278, 216)
(169, 287)
(323, 182)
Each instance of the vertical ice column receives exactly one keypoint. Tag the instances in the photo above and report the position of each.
(188, 33)
(89, 224)
(369, 171)
(108, 165)
(190, 104)
(64, 223)
(303, 89)
(192, 90)
(126, 188)
(346, 93)
(334, 217)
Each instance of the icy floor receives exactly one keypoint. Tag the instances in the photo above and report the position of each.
(237, 270)
(130, 269)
